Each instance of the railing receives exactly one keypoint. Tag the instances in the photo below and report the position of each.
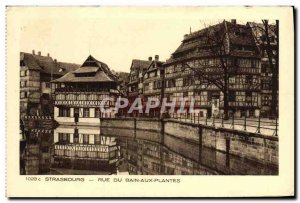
(255, 125)
(264, 126)
(26, 117)
(74, 90)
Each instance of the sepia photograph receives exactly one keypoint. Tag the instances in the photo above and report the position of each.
(123, 91)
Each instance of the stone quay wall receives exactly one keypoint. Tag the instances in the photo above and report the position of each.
(252, 146)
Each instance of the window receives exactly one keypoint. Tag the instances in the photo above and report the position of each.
(64, 138)
(23, 83)
(64, 112)
(47, 84)
(265, 101)
(244, 62)
(22, 63)
(146, 88)
(71, 97)
(76, 136)
(26, 72)
(22, 73)
(85, 139)
(255, 63)
(82, 97)
(201, 114)
(97, 139)
(272, 39)
(232, 80)
(86, 112)
(97, 112)
(24, 95)
(92, 97)
(170, 83)
(240, 96)
(187, 81)
(60, 97)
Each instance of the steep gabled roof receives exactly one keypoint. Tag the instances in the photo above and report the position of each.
(196, 44)
(67, 67)
(91, 70)
(154, 65)
(140, 64)
(240, 34)
(29, 61)
(45, 64)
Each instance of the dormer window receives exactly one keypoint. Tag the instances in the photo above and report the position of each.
(22, 63)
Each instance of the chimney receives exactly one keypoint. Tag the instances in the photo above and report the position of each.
(150, 58)
(55, 61)
(233, 21)
(156, 57)
(48, 55)
(33, 52)
(39, 53)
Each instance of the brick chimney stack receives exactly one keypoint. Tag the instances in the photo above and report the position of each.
(48, 55)
(39, 53)
(149, 58)
(33, 52)
(156, 57)
(233, 21)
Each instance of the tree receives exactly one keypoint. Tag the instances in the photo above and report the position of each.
(216, 46)
(267, 38)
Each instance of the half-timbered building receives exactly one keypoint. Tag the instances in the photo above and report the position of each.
(36, 72)
(80, 94)
(217, 59)
(84, 148)
(153, 84)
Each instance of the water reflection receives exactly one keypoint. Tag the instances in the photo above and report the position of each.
(85, 151)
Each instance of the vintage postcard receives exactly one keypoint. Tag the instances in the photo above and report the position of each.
(150, 101)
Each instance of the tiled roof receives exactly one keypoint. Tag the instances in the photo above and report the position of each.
(67, 67)
(87, 69)
(123, 76)
(240, 34)
(100, 76)
(100, 70)
(196, 44)
(140, 64)
(157, 64)
(46, 64)
(29, 61)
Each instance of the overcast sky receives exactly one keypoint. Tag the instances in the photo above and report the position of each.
(112, 35)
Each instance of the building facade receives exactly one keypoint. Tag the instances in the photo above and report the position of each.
(205, 58)
(36, 72)
(153, 84)
(79, 94)
(268, 63)
(84, 148)
(137, 71)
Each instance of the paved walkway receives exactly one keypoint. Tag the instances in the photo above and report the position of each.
(267, 126)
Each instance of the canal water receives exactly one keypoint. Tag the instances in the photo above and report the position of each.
(69, 150)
